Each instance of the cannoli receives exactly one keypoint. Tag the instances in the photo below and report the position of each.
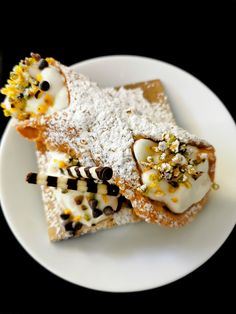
(71, 213)
(163, 170)
(28, 101)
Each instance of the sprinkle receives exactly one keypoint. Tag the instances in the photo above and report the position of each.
(44, 86)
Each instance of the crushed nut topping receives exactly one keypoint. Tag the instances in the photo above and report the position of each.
(173, 163)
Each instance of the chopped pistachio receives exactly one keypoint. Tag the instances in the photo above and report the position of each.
(142, 188)
(87, 217)
(162, 146)
(215, 186)
(150, 159)
(163, 156)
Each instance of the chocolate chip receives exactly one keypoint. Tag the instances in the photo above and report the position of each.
(174, 184)
(77, 225)
(108, 210)
(93, 203)
(44, 86)
(93, 225)
(128, 203)
(83, 207)
(64, 216)
(96, 213)
(43, 64)
(69, 226)
(121, 199)
(20, 96)
(78, 199)
(36, 95)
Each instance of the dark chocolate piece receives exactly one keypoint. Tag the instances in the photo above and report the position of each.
(96, 213)
(76, 225)
(64, 216)
(93, 203)
(108, 210)
(43, 64)
(44, 86)
(69, 226)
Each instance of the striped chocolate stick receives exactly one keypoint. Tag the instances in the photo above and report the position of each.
(86, 185)
(96, 173)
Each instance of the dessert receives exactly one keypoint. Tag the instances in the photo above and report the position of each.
(164, 171)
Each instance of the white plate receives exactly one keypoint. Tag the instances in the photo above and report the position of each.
(140, 256)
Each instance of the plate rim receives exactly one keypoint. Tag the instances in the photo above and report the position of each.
(40, 260)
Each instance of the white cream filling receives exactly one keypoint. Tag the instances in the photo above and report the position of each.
(57, 90)
(182, 197)
(67, 200)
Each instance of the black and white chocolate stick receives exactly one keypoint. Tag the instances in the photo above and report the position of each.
(62, 182)
(96, 173)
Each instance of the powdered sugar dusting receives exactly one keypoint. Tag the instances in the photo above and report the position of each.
(100, 125)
